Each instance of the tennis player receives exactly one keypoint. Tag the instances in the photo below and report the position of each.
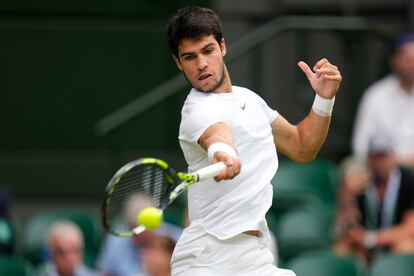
(228, 234)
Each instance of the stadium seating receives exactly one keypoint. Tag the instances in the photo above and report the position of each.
(37, 226)
(325, 263)
(175, 212)
(14, 266)
(398, 265)
(296, 183)
(7, 236)
(303, 229)
(304, 203)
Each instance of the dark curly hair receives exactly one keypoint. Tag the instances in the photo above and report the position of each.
(194, 23)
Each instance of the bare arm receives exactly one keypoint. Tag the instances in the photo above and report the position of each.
(221, 132)
(391, 236)
(394, 237)
(303, 141)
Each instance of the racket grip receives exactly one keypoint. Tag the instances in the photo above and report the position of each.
(139, 229)
(210, 171)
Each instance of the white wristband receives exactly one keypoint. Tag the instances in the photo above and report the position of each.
(322, 106)
(220, 146)
(370, 239)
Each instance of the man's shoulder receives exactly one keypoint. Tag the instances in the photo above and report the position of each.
(240, 89)
(246, 93)
(84, 270)
(405, 200)
(197, 97)
(118, 243)
(382, 87)
(407, 176)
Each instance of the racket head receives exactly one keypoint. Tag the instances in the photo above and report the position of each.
(142, 183)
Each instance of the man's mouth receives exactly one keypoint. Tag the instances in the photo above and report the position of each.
(204, 77)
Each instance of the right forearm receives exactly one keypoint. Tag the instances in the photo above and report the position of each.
(217, 141)
(392, 235)
(219, 132)
(387, 237)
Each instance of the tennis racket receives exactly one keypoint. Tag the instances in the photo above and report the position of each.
(143, 183)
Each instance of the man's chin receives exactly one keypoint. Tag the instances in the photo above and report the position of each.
(204, 89)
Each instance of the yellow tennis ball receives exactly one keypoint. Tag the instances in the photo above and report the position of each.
(150, 217)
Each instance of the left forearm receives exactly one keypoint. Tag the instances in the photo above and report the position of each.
(313, 130)
(301, 142)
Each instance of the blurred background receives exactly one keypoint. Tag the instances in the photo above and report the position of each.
(86, 86)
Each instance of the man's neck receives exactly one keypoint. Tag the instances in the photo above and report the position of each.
(227, 85)
(407, 86)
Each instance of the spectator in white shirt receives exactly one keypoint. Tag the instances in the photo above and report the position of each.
(388, 105)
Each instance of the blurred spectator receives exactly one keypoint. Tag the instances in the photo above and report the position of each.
(388, 105)
(124, 256)
(376, 205)
(157, 257)
(65, 244)
(7, 235)
(5, 204)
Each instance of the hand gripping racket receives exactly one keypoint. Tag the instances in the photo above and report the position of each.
(143, 183)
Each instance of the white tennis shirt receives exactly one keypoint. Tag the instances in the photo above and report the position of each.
(227, 208)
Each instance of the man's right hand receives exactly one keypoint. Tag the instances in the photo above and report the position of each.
(233, 165)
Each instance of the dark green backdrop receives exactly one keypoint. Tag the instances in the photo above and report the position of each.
(64, 66)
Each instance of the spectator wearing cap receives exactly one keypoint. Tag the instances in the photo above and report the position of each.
(376, 205)
(387, 106)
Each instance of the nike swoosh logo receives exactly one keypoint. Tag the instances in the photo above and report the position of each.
(243, 106)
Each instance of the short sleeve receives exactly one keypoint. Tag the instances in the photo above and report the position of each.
(270, 113)
(196, 118)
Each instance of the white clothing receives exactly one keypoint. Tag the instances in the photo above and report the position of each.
(230, 207)
(242, 255)
(220, 212)
(50, 269)
(385, 109)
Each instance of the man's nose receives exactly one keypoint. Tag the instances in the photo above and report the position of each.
(202, 63)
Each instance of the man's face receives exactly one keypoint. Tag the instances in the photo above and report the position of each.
(202, 64)
(403, 62)
(382, 164)
(67, 254)
(157, 261)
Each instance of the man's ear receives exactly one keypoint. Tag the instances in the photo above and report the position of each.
(223, 47)
(177, 62)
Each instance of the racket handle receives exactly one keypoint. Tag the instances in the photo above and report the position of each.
(139, 229)
(210, 171)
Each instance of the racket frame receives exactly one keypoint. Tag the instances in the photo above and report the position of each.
(187, 179)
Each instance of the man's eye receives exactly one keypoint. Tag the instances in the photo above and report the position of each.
(189, 57)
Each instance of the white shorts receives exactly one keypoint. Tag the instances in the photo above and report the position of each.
(241, 255)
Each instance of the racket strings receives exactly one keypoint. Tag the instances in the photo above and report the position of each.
(145, 185)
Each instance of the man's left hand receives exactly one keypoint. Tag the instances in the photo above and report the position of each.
(324, 79)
